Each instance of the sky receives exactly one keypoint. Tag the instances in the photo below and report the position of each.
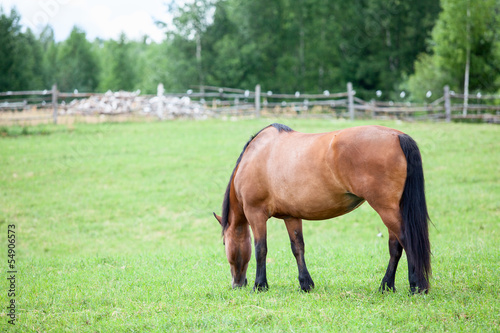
(98, 18)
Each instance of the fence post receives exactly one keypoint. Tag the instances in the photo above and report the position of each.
(373, 105)
(447, 104)
(350, 100)
(257, 101)
(159, 93)
(54, 102)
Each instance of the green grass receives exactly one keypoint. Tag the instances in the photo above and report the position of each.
(115, 233)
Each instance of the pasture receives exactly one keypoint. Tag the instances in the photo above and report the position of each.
(114, 232)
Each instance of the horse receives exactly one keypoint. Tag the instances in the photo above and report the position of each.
(293, 176)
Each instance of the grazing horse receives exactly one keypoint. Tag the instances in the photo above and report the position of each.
(293, 176)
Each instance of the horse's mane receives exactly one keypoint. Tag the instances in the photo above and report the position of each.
(226, 203)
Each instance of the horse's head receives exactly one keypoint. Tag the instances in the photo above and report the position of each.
(237, 242)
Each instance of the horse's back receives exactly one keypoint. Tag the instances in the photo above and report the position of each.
(317, 176)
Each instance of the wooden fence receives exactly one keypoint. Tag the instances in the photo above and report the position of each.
(448, 107)
(43, 99)
(221, 101)
(346, 105)
(234, 102)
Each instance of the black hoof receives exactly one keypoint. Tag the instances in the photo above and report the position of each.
(307, 285)
(261, 286)
(385, 288)
(416, 290)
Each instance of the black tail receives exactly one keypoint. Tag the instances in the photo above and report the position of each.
(414, 212)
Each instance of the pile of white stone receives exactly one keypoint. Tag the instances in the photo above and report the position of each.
(174, 107)
(122, 102)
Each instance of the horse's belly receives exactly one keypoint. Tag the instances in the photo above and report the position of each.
(317, 207)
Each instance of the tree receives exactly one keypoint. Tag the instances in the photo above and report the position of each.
(20, 55)
(49, 49)
(456, 37)
(123, 66)
(261, 27)
(316, 45)
(9, 28)
(190, 22)
(380, 40)
(152, 66)
(119, 72)
(28, 61)
(78, 66)
(226, 53)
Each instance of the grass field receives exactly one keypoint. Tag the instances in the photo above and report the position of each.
(115, 233)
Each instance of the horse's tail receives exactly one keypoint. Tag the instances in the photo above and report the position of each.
(414, 212)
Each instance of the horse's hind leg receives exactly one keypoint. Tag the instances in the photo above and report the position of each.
(393, 221)
(395, 251)
(294, 227)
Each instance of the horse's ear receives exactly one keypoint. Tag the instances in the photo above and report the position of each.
(218, 218)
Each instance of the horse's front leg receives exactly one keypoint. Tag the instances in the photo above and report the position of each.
(294, 227)
(260, 256)
(259, 229)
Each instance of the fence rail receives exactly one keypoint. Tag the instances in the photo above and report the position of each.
(223, 101)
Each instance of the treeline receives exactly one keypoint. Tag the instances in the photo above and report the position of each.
(284, 45)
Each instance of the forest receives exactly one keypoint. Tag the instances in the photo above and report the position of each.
(384, 46)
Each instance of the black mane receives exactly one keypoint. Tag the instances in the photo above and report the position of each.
(279, 127)
(225, 203)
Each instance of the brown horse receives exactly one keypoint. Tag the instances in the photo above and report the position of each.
(294, 176)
